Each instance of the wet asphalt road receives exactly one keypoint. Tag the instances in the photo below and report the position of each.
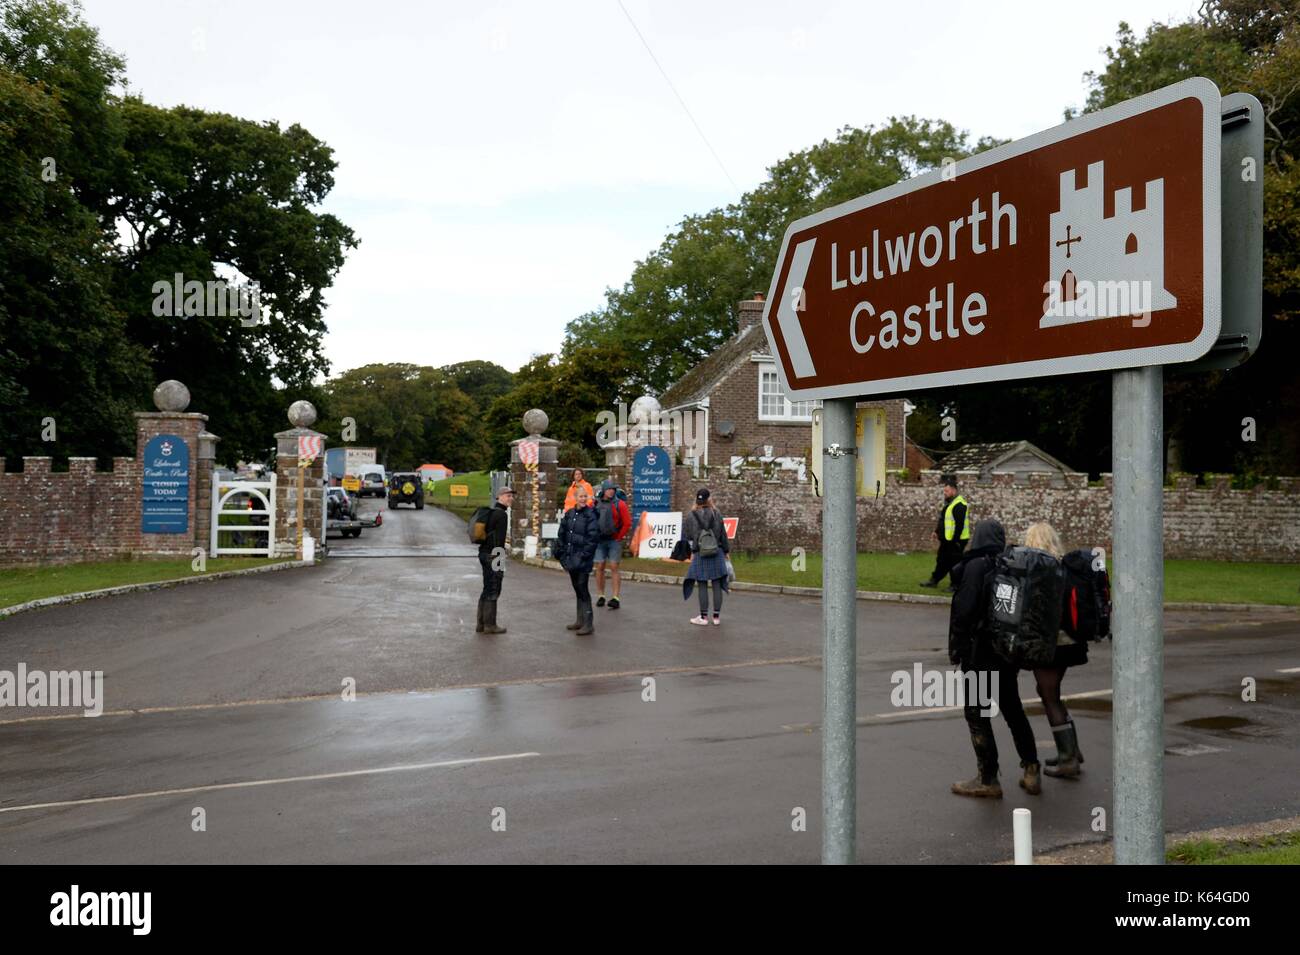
(226, 696)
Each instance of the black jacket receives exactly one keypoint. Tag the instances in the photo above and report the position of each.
(497, 526)
(968, 640)
(579, 535)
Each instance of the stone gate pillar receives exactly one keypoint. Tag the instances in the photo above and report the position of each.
(302, 414)
(521, 479)
(167, 447)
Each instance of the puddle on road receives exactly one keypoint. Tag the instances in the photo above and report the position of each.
(1218, 723)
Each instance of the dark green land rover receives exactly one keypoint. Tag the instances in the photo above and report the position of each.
(404, 487)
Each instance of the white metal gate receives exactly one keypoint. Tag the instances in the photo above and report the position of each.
(243, 517)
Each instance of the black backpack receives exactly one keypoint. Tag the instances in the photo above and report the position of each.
(1085, 603)
(478, 525)
(1024, 606)
(607, 520)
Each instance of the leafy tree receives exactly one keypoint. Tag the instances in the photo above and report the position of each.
(1253, 47)
(141, 193)
(680, 301)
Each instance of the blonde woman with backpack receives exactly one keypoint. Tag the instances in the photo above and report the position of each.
(704, 531)
(1069, 653)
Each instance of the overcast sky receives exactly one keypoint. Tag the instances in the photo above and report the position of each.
(503, 163)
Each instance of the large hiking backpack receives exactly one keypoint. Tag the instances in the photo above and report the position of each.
(607, 518)
(478, 525)
(1085, 602)
(1024, 606)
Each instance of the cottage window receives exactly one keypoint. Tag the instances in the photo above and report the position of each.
(773, 404)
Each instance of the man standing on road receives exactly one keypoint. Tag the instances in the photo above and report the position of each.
(952, 533)
(491, 555)
(614, 520)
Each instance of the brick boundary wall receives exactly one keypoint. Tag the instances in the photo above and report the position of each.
(1205, 523)
(62, 516)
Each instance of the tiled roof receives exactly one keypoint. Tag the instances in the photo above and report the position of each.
(700, 380)
(986, 457)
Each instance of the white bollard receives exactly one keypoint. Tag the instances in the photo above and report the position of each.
(530, 546)
(308, 547)
(1022, 831)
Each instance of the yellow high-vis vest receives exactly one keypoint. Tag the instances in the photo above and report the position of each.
(950, 523)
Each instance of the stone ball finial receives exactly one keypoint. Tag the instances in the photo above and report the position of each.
(535, 421)
(645, 410)
(302, 414)
(171, 395)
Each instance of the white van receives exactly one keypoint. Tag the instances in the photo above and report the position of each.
(374, 480)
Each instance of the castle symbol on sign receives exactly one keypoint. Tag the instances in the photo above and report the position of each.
(1105, 268)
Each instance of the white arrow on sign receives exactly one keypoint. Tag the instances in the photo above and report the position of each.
(787, 316)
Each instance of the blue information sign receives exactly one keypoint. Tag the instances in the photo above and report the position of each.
(165, 507)
(652, 482)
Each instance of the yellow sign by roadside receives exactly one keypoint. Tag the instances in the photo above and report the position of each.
(351, 483)
(460, 490)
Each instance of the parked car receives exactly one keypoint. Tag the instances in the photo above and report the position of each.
(341, 513)
(374, 480)
(404, 487)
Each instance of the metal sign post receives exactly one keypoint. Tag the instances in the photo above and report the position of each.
(1137, 660)
(840, 633)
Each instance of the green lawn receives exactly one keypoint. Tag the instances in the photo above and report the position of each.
(19, 585)
(1283, 849)
(1185, 580)
(480, 493)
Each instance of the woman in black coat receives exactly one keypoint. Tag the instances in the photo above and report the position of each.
(576, 547)
(970, 644)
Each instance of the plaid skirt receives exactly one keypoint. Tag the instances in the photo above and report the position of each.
(707, 568)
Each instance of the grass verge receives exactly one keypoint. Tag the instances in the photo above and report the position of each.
(1199, 581)
(21, 584)
(1281, 849)
(480, 493)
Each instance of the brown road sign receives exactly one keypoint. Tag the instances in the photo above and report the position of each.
(1090, 246)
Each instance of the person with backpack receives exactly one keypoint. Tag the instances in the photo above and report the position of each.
(970, 644)
(951, 533)
(1082, 592)
(705, 533)
(615, 520)
(488, 528)
(579, 484)
(575, 547)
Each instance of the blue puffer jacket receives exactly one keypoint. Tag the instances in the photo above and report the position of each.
(579, 535)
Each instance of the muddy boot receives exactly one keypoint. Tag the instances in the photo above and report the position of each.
(1031, 782)
(1066, 764)
(979, 786)
(490, 618)
(985, 783)
(577, 621)
(587, 615)
(1052, 760)
(478, 626)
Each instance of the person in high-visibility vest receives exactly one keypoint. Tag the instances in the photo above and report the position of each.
(951, 533)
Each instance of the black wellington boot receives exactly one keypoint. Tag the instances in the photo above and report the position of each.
(478, 626)
(577, 621)
(587, 615)
(1066, 764)
(490, 618)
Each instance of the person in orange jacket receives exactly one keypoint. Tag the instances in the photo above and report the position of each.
(579, 482)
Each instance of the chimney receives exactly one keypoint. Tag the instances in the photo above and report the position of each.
(751, 313)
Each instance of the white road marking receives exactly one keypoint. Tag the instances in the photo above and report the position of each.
(407, 768)
(1194, 749)
(1290, 670)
